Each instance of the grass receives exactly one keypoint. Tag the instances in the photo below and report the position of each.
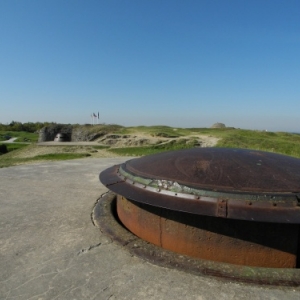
(146, 150)
(13, 146)
(170, 132)
(60, 156)
(161, 131)
(21, 136)
(176, 138)
(279, 142)
(7, 161)
(100, 147)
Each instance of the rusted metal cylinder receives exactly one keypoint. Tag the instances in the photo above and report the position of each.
(224, 240)
(229, 205)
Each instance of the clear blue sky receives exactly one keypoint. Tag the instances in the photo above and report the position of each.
(151, 62)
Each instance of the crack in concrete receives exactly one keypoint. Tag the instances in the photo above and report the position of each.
(85, 250)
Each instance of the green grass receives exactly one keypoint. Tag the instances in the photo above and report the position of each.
(161, 131)
(7, 161)
(170, 132)
(139, 151)
(60, 156)
(12, 146)
(279, 142)
(21, 136)
(100, 147)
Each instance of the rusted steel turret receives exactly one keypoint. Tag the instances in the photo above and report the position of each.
(229, 205)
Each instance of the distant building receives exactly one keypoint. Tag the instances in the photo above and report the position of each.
(218, 125)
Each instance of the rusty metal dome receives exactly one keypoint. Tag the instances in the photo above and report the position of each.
(230, 183)
(233, 206)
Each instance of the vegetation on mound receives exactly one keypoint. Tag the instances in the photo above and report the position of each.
(172, 139)
(279, 142)
(170, 132)
(146, 150)
(101, 129)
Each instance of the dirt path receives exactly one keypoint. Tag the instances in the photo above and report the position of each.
(35, 150)
(11, 140)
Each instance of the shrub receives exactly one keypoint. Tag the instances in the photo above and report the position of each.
(3, 149)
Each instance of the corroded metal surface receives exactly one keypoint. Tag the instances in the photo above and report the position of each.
(222, 169)
(228, 183)
(230, 241)
(228, 205)
(104, 216)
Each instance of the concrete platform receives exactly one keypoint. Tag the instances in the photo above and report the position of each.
(50, 249)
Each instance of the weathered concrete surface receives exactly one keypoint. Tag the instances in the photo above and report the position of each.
(49, 248)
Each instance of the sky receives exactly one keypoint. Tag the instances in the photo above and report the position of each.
(188, 63)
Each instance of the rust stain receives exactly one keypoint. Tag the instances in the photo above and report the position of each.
(210, 238)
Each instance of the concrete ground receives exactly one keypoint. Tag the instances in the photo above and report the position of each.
(50, 249)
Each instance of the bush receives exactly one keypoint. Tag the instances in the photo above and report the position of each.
(3, 149)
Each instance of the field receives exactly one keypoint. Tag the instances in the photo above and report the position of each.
(116, 140)
(22, 136)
